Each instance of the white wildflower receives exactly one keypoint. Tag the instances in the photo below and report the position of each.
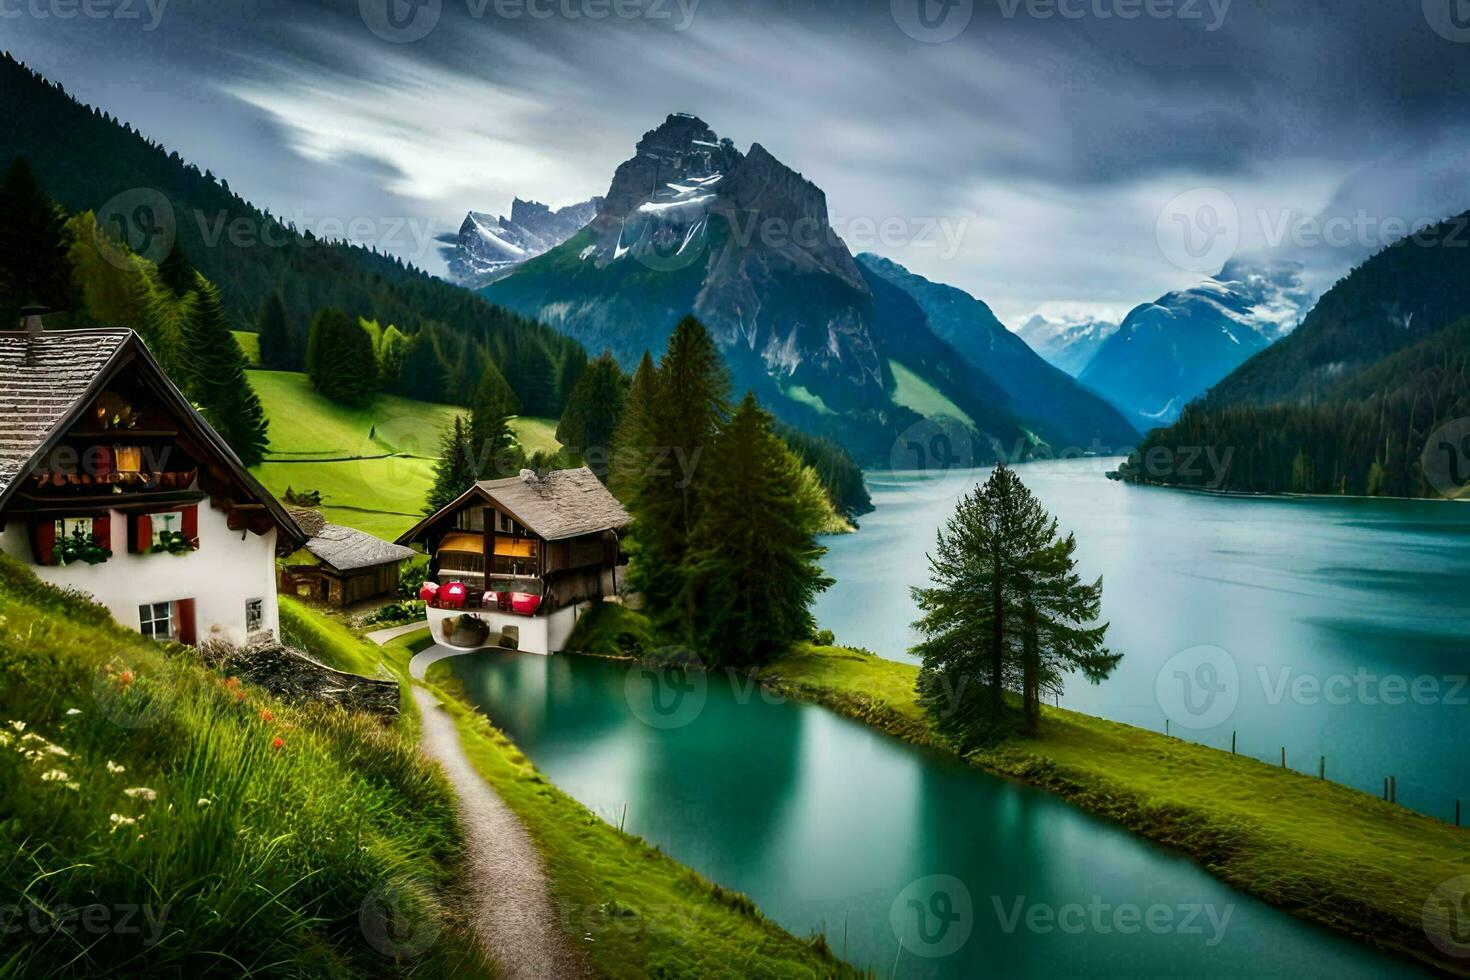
(114, 768)
(5, 739)
(73, 712)
(141, 793)
(57, 750)
(31, 738)
(74, 787)
(53, 776)
(19, 726)
(205, 801)
(118, 820)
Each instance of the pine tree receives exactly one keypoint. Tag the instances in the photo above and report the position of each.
(277, 347)
(421, 373)
(340, 359)
(492, 451)
(214, 374)
(690, 403)
(632, 443)
(34, 267)
(1006, 606)
(753, 556)
(591, 414)
(453, 473)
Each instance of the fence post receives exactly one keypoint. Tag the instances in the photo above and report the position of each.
(1166, 727)
(1283, 757)
(1385, 788)
(1322, 767)
(1232, 741)
(1457, 813)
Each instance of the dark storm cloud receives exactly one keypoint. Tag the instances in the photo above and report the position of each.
(1056, 129)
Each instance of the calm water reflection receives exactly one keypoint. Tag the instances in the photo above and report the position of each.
(826, 824)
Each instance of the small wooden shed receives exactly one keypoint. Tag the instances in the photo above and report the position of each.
(340, 566)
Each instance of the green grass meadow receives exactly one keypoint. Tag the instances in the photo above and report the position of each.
(160, 818)
(374, 466)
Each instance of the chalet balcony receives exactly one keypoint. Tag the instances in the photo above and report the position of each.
(518, 595)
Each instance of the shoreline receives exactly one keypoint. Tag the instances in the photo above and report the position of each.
(1325, 853)
(1219, 844)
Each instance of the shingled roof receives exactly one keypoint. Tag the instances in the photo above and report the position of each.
(49, 380)
(41, 383)
(556, 505)
(346, 548)
(560, 504)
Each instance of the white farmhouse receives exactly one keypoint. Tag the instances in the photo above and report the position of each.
(111, 483)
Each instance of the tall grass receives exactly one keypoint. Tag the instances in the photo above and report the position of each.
(257, 839)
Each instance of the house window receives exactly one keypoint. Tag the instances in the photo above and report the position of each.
(156, 620)
(254, 614)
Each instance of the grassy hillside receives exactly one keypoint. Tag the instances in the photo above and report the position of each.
(373, 466)
(159, 818)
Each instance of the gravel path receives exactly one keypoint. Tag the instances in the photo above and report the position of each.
(513, 915)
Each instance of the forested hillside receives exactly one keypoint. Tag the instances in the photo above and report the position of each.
(85, 158)
(1350, 402)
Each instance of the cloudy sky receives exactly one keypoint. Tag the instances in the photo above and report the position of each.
(1058, 155)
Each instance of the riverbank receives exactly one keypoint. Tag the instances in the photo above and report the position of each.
(630, 910)
(1324, 852)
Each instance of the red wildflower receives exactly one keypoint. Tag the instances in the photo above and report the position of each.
(125, 678)
(239, 695)
(267, 716)
(232, 682)
(278, 744)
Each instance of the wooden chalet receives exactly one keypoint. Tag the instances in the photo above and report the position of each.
(522, 556)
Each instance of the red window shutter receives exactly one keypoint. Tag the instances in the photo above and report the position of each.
(102, 530)
(43, 542)
(140, 534)
(191, 524)
(184, 614)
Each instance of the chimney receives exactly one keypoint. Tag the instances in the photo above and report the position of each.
(30, 319)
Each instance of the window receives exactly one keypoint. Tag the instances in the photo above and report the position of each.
(156, 620)
(254, 614)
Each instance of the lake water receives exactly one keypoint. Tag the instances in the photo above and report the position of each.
(1328, 627)
(829, 825)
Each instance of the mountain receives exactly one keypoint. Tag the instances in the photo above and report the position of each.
(1354, 400)
(1067, 344)
(692, 225)
(87, 159)
(1168, 352)
(1047, 400)
(489, 247)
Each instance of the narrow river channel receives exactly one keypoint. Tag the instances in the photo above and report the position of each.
(829, 825)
